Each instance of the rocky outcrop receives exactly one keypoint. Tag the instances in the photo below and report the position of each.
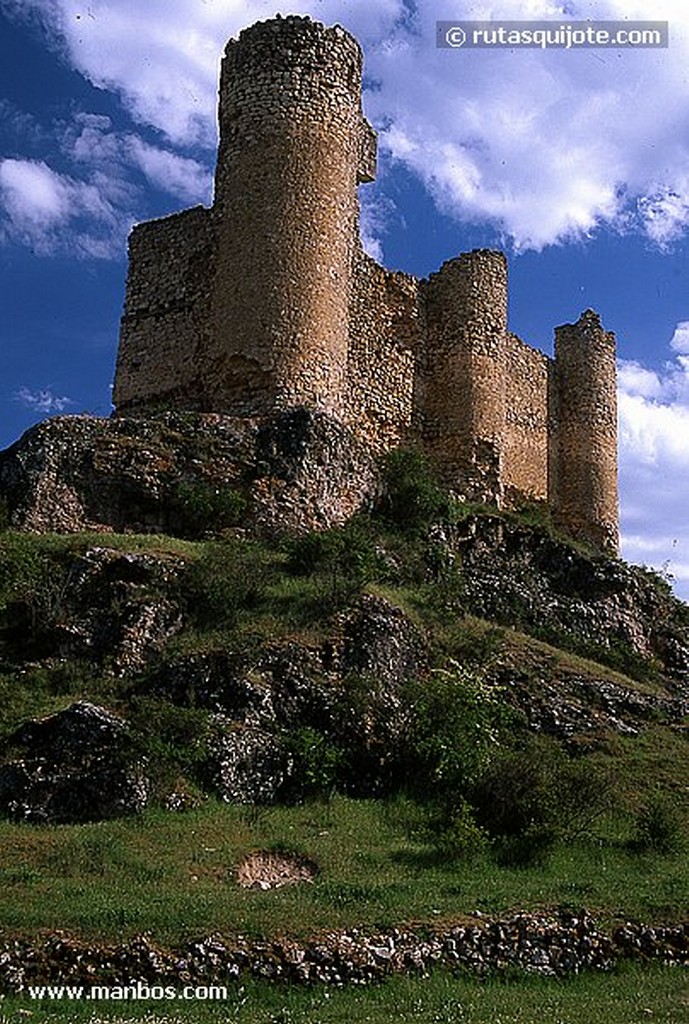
(526, 578)
(114, 609)
(245, 765)
(541, 944)
(75, 766)
(185, 474)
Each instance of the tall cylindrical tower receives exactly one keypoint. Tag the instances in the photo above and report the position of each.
(461, 394)
(291, 139)
(583, 462)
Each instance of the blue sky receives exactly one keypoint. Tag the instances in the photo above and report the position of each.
(576, 163)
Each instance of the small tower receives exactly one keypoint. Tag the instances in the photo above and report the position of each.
(583, 446)
(461, 393)
(293, 145)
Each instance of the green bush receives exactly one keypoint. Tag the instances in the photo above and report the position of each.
(317, 763)
(529, 799)
(457, 723)
(346, 557)
(528, 849)
(199, 508)
(412, 497)
(455, 833)
(659, 827)
(229, 577)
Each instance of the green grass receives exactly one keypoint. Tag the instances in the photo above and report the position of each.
(627, 996)
(172, 875)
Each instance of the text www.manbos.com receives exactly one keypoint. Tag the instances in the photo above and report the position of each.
(122, 993)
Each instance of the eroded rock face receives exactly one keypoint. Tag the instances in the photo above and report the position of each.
(526, 578)
(245, 765)
(112, 608)
(295, 471)
(75, 766)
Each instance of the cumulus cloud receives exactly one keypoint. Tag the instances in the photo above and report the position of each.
(545, 146)
(43, 401)
(37, 204)
(162, 55)
(89, 211)
(654, 462)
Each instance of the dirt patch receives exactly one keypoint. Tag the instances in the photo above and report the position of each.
(267, 869)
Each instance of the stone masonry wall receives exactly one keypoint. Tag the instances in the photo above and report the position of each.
(385, 335)
(267, 302)
(525, 445)
(291, 144)
(583, 473)
(165, 332)
(460, 394)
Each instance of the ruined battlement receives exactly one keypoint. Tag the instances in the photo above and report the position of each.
(267, 301)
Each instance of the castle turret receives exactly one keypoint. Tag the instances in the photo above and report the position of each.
(583, 459)
(293, 145)
(461, 395)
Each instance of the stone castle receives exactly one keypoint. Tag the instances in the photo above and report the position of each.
(267, 302)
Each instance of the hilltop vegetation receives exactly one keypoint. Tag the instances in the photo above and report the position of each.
(444, 709)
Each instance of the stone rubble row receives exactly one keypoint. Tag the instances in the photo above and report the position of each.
(549, 945)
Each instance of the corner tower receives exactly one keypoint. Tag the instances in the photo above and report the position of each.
(583, 442)
(460, 387)
(293, 146)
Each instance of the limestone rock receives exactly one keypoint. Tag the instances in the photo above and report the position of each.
(245, 765)
(77, 765)
(298, 470)
(524, 577)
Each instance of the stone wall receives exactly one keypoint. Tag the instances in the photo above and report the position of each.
(583, 475)
(385, 335)
(525, 446)
(460, 399)
(267, 302)
(292, 141)
(165, 333)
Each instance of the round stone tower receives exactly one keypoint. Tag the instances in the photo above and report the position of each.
(461, 394)
(583, 473)
(291, 131)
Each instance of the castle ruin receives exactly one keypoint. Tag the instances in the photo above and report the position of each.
(267, 301)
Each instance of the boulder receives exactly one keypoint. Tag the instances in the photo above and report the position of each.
(78, 765)
(179, 473)
(245, 765)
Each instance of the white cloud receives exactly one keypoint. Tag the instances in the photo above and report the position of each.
(654, 463)
(181, 177)
(33, 194)
(43, 401)
(162, 56)
(546, 146)
(51, 212)
(680, 339)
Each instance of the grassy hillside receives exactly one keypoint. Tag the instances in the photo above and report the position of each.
(505, 766)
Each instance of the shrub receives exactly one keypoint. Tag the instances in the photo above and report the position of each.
(347, 557)
(457, 720)
(412, 497)
(658, 828)
(229, 577)
(317, 763)
(455, 832)
(530, 848)
(531, 798)
(199, 508)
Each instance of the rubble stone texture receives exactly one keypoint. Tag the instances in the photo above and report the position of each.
(266, 302)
